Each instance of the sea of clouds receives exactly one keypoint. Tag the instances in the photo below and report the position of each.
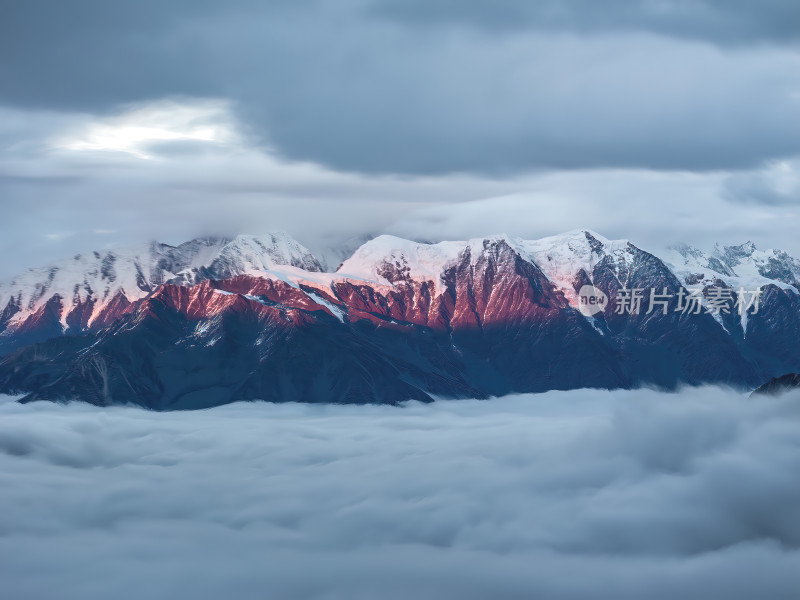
(565, 495)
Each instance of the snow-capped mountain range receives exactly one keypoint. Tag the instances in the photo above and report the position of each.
(101, 278)
(398, 319)
(135, 273)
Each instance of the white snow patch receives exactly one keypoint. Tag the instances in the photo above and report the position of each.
(336, 310)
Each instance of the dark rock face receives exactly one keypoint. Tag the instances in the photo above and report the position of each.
(779, 385)
(38, 326)
(494, 323)
(672, 348)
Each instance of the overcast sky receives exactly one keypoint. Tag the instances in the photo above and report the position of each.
(654, 120)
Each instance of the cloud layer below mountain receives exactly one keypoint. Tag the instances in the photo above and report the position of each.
(581, 494)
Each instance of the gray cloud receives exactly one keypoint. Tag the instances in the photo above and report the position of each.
(690, 495)
(734, 22)
(774, 185)
(372, 88)
(652, 210)
(79, 184)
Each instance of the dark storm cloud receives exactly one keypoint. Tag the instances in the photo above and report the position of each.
(576, 495)
(372, 87)
(727, 22)
(90, 54)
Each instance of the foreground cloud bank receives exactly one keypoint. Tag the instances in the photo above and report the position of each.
(579, 494)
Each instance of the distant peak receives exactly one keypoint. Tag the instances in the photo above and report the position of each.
(745, 249)
(687, 250)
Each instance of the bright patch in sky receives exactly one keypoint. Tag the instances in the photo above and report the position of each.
(135, 130)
